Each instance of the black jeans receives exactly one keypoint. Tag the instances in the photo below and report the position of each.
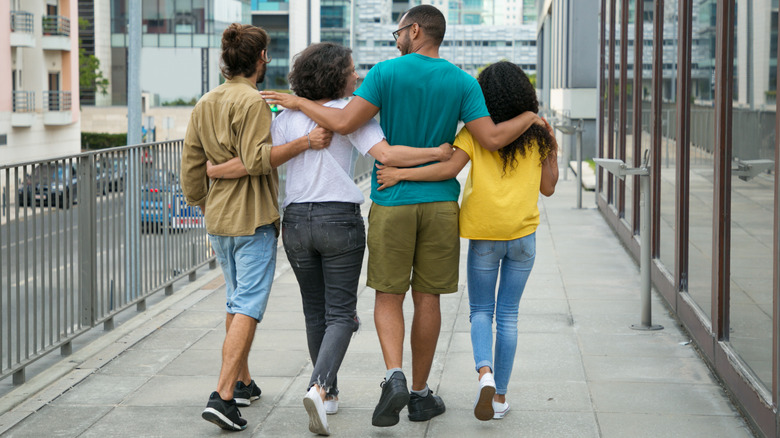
(325, 243)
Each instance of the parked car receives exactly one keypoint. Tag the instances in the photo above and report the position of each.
(50, 184)
(110, 174)
(167, 209)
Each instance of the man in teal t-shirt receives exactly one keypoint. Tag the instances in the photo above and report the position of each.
(413, 227)
(421, 99)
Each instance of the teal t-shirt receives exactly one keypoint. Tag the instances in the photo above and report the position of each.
(420, 102)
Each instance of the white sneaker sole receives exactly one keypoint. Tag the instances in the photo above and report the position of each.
(316, 425)
(244, 402)
(500, 414)
(216, 417)
(331, 407)
(483, 408)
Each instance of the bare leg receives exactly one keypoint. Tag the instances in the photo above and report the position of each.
(243, 374)
(389, 321)
(235, 352)
(425, 334)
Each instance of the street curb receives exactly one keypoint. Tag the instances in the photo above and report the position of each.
(56, 380)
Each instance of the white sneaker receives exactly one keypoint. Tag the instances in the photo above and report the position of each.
(331, 405)
(500, 410)
(318, 420)
(483, 406)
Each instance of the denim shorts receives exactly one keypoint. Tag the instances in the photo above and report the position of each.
(248, 264)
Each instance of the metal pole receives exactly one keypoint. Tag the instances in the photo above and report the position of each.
(579, 164)
(644, 260)
(133, 138)
(566, 150)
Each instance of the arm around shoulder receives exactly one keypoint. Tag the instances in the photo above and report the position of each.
(493, 137)
(550, 171)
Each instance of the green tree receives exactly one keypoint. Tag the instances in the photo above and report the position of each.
(90, 75)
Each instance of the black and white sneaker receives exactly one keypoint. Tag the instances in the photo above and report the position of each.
(246, 394)
(223, 413)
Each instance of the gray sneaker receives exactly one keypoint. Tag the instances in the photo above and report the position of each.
(223, 413)
(244, 395)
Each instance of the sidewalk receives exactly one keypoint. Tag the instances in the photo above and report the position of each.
(580, 371)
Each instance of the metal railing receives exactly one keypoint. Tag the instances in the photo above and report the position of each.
(84, 237)
(57, 100)
(22, 22)
(23, 101)
(55, 25)
(87, 236)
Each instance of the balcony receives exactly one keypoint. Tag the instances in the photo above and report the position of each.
(22, 27)
(57, 108)
(23, 113)
(56, 33)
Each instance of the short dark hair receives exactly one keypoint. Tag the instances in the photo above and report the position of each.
(320, 71)
(430, 19)
(241, 47)
(508, 93)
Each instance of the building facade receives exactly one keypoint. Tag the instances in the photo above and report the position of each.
(39, 85)
(567, 56)
(478, 32)
(706, 117)
(180, 46)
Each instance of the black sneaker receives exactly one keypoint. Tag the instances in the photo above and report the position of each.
(425, 408)
(223, 413)
(246, 394)
(394, 397)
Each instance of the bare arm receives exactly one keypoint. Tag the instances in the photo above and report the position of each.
(550, 171)
(493, 136)
(344, 121)
(318, 138)
(390, 176)
(406, 156)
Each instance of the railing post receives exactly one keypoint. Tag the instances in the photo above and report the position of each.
(87, 231)
(194, 273)
(579, 163)
(19, 377)
(618, 168)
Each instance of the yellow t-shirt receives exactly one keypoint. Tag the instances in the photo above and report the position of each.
(499, 206)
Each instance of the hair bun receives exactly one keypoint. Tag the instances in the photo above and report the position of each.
(232, 36)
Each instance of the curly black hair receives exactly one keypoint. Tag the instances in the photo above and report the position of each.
(509, 93)
(321, 71)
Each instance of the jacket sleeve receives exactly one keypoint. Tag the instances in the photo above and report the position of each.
(194, 181)
(254, 139)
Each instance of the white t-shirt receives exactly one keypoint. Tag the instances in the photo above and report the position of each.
(324, 175)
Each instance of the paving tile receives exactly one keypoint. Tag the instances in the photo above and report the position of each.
(660, 398)
(672, 426)
(58, 421)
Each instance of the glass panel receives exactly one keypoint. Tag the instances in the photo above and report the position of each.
(629, 122)
(668, 134)
(616, 100)
(605, 93)
(752, 196)
(702, 129)
(646, 70)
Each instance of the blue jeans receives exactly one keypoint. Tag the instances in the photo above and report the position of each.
(325, 243)
(514, 258)
(248, 263)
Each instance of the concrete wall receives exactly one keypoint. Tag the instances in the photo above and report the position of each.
(158, 65)
(113, 120)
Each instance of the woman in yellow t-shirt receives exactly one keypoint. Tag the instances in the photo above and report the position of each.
(499, 216)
